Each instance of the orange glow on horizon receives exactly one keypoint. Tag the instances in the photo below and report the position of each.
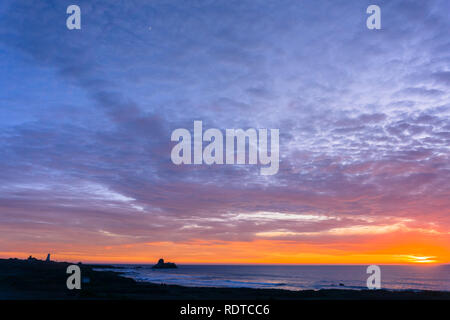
(376, 251)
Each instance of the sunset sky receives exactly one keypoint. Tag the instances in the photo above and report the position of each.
(86, 118)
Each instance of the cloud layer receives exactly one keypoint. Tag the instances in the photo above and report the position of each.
(86, 118)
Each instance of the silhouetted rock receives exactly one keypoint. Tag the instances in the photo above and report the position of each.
(48, 258)
(164, 265)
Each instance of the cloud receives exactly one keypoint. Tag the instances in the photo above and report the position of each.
(87, 116)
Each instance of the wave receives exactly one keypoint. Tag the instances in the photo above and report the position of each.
(189, 280)
(302, 279)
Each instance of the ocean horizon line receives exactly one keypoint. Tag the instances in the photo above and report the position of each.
(275, 264)
(150, 263)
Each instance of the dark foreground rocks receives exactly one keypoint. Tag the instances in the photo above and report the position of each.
(22, 279)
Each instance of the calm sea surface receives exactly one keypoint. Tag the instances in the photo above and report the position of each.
(293, 277)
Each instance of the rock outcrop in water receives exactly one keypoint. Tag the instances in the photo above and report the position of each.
(164, 265)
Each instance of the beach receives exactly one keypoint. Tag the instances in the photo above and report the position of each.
(40, 280)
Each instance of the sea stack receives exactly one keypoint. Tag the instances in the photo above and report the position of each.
(164, 265)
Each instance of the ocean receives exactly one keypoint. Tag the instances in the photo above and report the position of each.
(293, 277)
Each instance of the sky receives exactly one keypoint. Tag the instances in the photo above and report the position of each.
(86, 118)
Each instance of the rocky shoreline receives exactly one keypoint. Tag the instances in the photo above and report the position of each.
(46, 280)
